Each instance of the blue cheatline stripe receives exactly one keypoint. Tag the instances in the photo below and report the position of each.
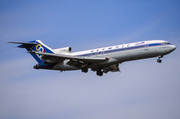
(155, 44)
(119, 50)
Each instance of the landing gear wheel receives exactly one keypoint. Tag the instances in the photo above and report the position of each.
(159, 60)
(99, 73)
(84, 69)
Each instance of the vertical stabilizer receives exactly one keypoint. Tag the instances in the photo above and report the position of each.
(40, 47)
(36, 45)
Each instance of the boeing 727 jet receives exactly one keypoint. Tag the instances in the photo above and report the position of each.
(100, 60)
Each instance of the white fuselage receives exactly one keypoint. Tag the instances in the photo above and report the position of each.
(124, 52)
(100, 60)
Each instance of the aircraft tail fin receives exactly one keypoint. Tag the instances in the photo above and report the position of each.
(36, 45)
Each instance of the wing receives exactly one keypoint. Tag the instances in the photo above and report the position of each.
(76, 60)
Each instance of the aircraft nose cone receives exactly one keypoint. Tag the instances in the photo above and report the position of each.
(173, 47)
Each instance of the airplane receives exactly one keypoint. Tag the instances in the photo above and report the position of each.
(99, 60)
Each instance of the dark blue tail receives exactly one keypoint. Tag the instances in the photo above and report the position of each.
(36, 45)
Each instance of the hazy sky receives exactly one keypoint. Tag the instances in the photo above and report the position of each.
(144, 89)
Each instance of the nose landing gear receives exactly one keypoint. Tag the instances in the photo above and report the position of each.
(159, 60)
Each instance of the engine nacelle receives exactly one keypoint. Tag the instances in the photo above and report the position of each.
(62, 50)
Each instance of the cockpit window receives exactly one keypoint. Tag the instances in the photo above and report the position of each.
(164, 43)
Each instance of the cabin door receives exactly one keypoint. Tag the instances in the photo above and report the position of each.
(146, 46)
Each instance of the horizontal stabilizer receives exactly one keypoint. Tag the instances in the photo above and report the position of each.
(24, 45)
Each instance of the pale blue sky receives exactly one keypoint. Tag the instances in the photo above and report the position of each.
(144, 89)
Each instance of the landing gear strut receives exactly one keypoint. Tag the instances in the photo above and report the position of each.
(84, 69)
(159, 60)
(99, 73)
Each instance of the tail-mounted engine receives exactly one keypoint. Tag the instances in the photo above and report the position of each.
(62, 50)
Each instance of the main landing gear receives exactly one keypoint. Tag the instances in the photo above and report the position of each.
(99, 73)
(159, 60)
(84, 69)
